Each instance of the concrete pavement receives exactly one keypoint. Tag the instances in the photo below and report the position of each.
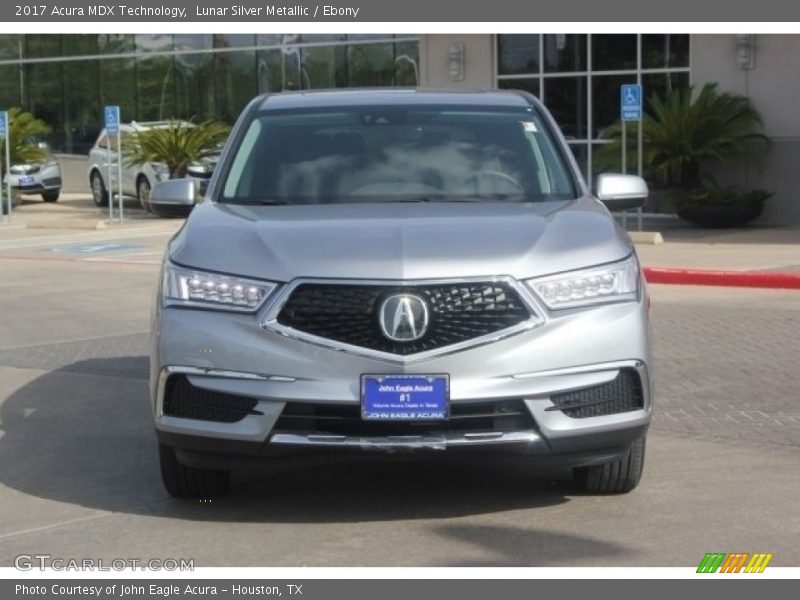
(78, 465)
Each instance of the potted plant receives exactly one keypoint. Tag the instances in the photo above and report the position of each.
(176, 145)
(682, 132)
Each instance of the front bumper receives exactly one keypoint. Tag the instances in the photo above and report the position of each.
(233, 354)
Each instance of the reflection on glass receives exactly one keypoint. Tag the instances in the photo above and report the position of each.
(518, 54)
(566, 99)
(564, 52)
(665, 50)
(612, 52)
(153, 42)
(370, 65)
(211, 75)
(528, 84)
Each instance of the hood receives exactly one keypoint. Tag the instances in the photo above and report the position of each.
(399, 240)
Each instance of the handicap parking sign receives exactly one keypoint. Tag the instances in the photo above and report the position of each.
(630, 104)
(112, 119)
(3, 124)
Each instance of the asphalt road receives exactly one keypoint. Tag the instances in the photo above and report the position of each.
(79, 477)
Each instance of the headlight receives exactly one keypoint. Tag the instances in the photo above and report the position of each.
(190, 287)
(161, 170)
(615, 282)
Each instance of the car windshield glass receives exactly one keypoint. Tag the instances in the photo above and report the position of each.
(397, 154)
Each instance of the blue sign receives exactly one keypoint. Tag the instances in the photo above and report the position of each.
(112, 119)
(3, 124)
(405, 397)
(630, 102)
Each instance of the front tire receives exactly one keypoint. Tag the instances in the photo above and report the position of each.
(51, 195)
(99, 191)
(143, 193)
(615, 477)
(190, 482)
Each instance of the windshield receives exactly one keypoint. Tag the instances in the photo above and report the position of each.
(386, 154)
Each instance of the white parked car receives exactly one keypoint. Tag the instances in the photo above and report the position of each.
(138, 180)
(41, 177)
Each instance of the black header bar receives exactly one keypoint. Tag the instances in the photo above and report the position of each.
(382, 11)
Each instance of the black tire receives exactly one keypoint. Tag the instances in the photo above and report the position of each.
(190, 482)
(51, 195)
(616, 477)
(143, 193)
(99, 191)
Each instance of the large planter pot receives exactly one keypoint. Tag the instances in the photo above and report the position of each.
(719, 216)
(720, 208)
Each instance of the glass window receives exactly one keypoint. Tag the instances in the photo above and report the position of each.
(613, 52)
(665, 51)
(42, 46)
(118, 86)
(79, 45)
(528, 84)
(323, 67)
(565, 98)
(233, 40)
(605, 97)
(194, 87)
(193, 41)
(406, 64)
(390, 153)
(517, 54)
(235, 82)
(10, 91)
(11, 47)
(269, 71)
(155, 87)
(44, 92)
(115, 43)
(659, 84)
(370, 65)
(81, 107)
(154, 42)
(564, 52)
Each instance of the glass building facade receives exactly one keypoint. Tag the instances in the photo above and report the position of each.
(578, 77)
(67, 79)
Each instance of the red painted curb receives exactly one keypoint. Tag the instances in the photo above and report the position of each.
(756, 279)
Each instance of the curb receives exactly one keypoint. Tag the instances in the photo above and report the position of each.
(66, 224)
(753, 279)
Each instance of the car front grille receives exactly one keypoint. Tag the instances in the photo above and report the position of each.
(623, 394)
(348, 313)
(345, 419)
(182, 399)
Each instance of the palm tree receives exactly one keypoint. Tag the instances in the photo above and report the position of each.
(25, 133)
(683, 130)
(177, 144)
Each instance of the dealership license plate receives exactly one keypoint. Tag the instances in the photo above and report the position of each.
(25, 180)
(405, 397)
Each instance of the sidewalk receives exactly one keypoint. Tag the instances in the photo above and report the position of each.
(750, 257)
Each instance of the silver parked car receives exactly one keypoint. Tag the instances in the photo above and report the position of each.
(137, 180)
(41, 177)
(380, 271)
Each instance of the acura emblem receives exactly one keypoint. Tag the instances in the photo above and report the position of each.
(404, 317)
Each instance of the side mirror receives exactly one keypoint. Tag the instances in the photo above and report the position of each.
(621, 192)
(173, 198)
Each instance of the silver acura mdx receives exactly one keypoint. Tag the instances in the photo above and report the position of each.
(400, 270)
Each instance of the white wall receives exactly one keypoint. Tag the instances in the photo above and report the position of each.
(434, 59)
(773, 85)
